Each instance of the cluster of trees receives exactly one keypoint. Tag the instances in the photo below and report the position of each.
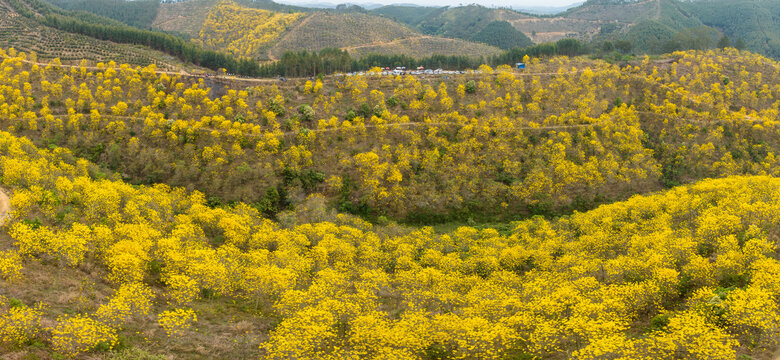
(755, 22)
(329, 61)
(139, 13)
(243, 31)
(503, 35)
(693, 269)
(566, 47)
(402, 146)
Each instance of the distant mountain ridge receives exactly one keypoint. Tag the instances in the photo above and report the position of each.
(643, 26)
(652, 26)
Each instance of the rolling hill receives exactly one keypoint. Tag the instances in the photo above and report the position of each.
(580, 209)
(648, 26)
(256, 32)
(185, 18)
(595, 19)
(756, 22)
(651, 26)
(362, 34)
(28, 35)
(327, 30)
(154, 220)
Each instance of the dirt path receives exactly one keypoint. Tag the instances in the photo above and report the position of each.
(5, 206)
(385, 43)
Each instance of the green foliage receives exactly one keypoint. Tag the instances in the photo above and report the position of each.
(307, 112)
(698, 38)
(659, 322)
(724, 42)
(569, 47)
(392, 101)
(459, 22)
(139, 13)
(471, 87)
(410, 15)
(754, 23)
(502, 35)
(649, 36)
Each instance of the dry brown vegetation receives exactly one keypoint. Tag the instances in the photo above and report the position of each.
(326, 30)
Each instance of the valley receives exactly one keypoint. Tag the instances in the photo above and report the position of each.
(250, 180)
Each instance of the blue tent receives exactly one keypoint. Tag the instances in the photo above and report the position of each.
(520, 65)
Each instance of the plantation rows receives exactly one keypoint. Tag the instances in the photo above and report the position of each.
(235, 211)
(324, 30)
(26, 35)
(424, 46)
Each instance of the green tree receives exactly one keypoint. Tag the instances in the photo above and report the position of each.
(624, 46)
(503, 35)
(740, 44)
(724, 42)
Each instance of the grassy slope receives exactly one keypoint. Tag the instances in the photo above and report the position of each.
(357, 32)
(425, 46)
(323, 30)
(27, 35)
(410, 15)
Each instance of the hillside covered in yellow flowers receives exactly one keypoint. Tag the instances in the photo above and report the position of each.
(166, 216)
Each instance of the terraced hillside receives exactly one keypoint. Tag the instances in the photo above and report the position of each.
(422, 46)
(327, 30)
(28, 35)
(184, 17)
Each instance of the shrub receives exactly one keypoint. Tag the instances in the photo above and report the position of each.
(471, 87)
(175, 322)
(307, 113)
(75, 335)
(20, 324)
